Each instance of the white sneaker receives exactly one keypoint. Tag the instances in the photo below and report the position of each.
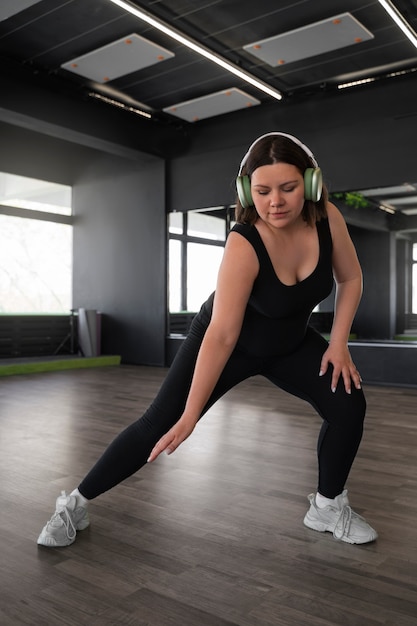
(61, 529)
(340, 519)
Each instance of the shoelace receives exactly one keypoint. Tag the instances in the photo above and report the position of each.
(64, 515)
(343, 522)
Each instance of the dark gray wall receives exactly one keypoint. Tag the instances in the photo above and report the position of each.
(376, 315)
(363, 138)
(36, 155)
(119, 254)
(26, 102)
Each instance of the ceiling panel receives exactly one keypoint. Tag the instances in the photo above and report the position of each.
(210, 106)
(118, 58)
(49, 36)
(311, 40)
(11, 7)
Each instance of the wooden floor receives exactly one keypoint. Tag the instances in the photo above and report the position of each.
(212, 535)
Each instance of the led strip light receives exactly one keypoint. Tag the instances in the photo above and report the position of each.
(401, 22)
(196, 47)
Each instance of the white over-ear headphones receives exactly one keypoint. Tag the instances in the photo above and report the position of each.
(313, 181)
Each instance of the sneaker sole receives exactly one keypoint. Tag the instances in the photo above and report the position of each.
(321, 528)
(50, 542)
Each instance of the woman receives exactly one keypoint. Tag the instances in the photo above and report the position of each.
(280, 260)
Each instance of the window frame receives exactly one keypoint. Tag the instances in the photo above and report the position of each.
(224, 213)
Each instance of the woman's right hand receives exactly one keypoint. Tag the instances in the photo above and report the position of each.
(237, 274)
(173, 438)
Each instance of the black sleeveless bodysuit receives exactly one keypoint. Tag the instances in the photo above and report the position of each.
(277, 315)
(275, 326)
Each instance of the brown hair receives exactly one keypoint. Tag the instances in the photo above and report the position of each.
(280, 149)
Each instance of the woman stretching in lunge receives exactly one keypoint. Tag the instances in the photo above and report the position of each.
(280, 260)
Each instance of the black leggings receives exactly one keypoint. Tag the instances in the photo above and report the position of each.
(297, 373)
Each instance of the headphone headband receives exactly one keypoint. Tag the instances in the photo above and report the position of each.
(279, 134)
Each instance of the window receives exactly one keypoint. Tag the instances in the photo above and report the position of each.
(206, 226)
(174, 275)
(35, 246)
(196, 243)
(203, 262)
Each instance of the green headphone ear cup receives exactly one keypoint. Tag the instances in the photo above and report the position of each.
(313, 184)
(244, 192)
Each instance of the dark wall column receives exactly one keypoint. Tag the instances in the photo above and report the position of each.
(119, 254)
(404, 252)
(375, 315)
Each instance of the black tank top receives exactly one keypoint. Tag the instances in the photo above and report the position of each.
(277, 315)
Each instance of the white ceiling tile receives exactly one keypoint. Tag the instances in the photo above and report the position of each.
(308, 41)
(213, 104)
(11, 7)
(124, 56)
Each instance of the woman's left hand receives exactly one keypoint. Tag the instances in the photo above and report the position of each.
(340, 358)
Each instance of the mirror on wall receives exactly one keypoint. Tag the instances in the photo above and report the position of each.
(399, 200)
(386, 240)
(383, 224)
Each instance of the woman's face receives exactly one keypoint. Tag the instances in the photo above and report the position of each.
(278, 194)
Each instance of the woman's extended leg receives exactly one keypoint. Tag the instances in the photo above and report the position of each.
(340, 435)
(130, 450)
